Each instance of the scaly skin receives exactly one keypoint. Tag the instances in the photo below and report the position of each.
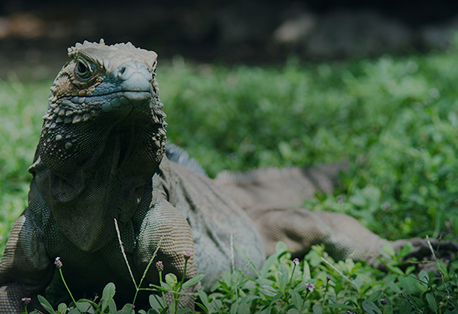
(100, 157)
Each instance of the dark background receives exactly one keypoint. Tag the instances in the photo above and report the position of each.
(34, 34)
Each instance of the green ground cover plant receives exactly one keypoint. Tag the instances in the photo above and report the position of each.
(393, 119)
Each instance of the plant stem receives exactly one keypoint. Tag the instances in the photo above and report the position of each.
(292, 273)
(163, 294)
(124, 254)
(68, 289)
(184, 274)
(180, 286)
(146, 269)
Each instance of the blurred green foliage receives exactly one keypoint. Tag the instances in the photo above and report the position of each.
(21, 107)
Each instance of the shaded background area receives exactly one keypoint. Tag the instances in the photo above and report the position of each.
(34, 35)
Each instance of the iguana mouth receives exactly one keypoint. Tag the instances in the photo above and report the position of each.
(125, 98)
(76, 109)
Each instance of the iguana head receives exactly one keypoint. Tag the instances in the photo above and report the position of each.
(100, 78)
(102, 140)
(98, 88)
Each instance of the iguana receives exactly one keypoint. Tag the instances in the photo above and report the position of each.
(101, 156)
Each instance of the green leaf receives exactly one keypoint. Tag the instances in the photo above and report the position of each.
(370, 307)
(234, 307)
(431, 302)
(203, 307)
(297, 300)
(395, 270)
(388, 248)
(45, 304)
(424, 278)
(267, 264)
(375, 296)
(267, 310)
(405, 249)
(283, 276)
(156, 302)
(280, 247)
(107, 295)
(112, 306)
(165, 287)
(409, 283)
(227, 278)
(204, 299)
(173, 307)
(244, 307)
(127, 309)
(268, 290)
(306, 275)
(314, 258)
(317, 309)
(193, 281)
(85, 306)
(283, 254)
(338, 287)
(301, 287)
(388, 309)
(171, 280)
(410, 270)
(250, 298)
(340, 306)
(62, 308)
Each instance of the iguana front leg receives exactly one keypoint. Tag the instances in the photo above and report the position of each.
(25, 269)
(164, 224)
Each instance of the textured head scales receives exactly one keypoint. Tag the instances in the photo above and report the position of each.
(112, 56)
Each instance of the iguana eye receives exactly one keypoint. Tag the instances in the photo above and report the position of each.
(83, 70)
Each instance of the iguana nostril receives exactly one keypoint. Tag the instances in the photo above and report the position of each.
(121, 71)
